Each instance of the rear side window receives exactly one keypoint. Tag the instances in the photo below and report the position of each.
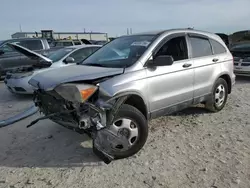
(217, 47)
(32, 44)
(200, 47)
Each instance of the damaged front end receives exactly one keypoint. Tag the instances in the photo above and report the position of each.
(82, 108)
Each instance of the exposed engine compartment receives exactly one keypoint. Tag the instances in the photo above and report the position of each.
(36, 66)
(91, 117)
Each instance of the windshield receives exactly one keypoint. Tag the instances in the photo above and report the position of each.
(59, 54)
(121, 52)
(245, 46)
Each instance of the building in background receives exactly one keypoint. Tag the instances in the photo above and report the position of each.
(63, 35)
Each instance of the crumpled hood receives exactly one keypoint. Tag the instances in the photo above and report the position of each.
(48, 80)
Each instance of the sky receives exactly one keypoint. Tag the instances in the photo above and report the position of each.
(115, 16)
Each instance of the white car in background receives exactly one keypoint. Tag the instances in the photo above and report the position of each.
(241, 54)
(17, 81)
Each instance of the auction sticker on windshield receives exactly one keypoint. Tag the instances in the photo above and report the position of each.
(140, 43)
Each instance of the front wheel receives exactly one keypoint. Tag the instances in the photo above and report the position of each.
(132, 124)
(219, 96)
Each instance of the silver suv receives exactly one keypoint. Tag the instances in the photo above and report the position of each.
(115, 92)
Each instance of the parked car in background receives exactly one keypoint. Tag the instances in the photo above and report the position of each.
(99, 42)
(241, 54)
(17, 82)
(115, 92)
(224, 37)
(11, 59)
(64, 43)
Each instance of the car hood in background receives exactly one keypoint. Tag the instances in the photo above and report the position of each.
(29, 53)
(51, 78)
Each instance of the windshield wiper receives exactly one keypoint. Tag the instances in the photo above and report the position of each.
(94, 64)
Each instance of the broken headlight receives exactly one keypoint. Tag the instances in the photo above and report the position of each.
(76, 92)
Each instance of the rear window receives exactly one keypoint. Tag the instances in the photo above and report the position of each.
(77, 43)
(31, 44)
(243, 46)
(200, 47)
(64, 44)
(217, 47)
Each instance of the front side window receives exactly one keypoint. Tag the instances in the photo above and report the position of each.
(200, 47)
(175, 47)
(59, 54)
(217, 47)
(121, 52)
(6, 49)
(81, 54)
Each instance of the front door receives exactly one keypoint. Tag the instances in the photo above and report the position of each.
(170, 87)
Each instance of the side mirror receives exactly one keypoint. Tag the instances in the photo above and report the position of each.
(163, 60)
(69, 60)
(1, 52)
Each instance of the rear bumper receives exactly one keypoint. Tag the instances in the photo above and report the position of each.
(242, 73)
(242, 70)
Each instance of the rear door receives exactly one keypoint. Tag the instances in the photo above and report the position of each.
(206, 65)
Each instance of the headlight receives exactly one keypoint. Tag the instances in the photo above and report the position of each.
(76, 92)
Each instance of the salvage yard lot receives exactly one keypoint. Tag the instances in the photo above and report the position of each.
(193, 148)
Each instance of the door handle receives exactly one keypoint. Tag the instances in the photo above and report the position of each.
(215, 60)
(186, 65)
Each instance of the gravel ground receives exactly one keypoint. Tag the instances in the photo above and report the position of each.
(193, 148)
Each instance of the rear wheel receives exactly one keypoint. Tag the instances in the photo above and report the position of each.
(219, 96)
(132, 124)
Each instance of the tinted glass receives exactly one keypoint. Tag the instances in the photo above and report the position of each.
(217, 47)
(244, 46)
(200, 47)
(81, 54)
(77, 43)
(6, 49)
(176, 47)
(63, 44)
(121, 52)
(59, 54)
(31, 44)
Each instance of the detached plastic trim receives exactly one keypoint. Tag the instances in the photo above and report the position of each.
(26, 113)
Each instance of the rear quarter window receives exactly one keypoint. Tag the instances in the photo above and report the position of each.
(217, 47)
(200, 47)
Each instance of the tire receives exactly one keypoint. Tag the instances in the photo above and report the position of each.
(132, 113)
(213, 105)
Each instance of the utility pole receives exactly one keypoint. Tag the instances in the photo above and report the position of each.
(130, 31)
(127, 31)
(20, 27)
